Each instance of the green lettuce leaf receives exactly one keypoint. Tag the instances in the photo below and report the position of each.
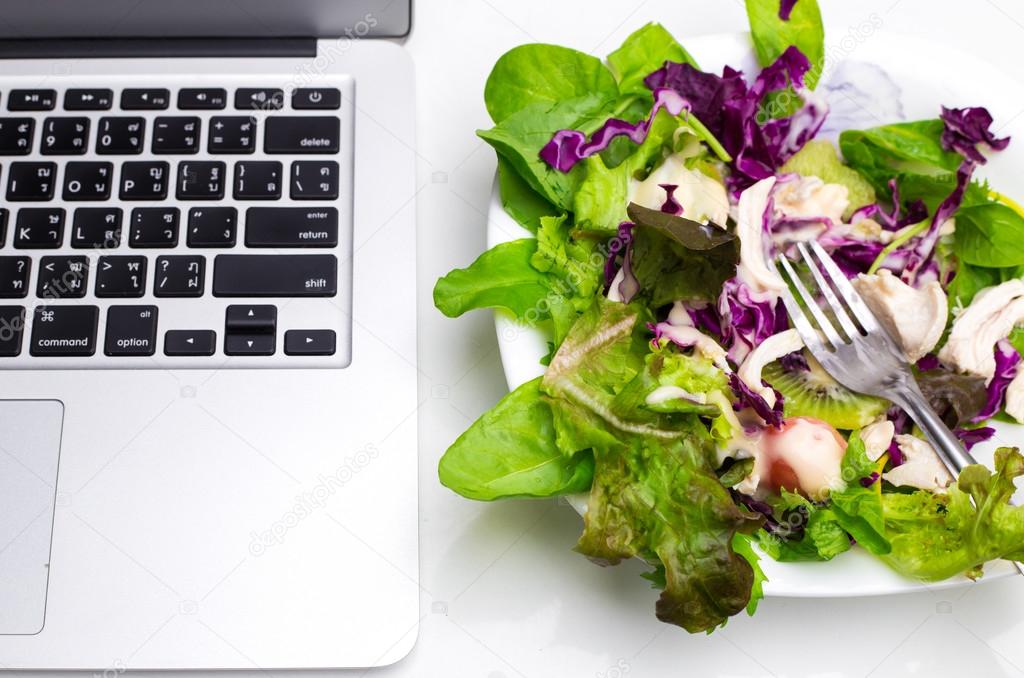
(544, 74)
(511, 452)
(936, 536)
(989, 235)
(643, 52)
(808, 532)
(655, 494)
(501, 277)
(773, 36)
(858, 509)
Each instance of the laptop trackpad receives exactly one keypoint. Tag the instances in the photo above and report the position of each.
(30, 433)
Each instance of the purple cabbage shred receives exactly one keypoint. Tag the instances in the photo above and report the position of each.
(972, 436)
(786, 8)
(671, 205)
(965, 128)
(1007, 360)
(568, 146)
(771, 415)
(870, 480)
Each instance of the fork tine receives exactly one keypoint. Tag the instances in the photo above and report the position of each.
(822, 320)
(812, 340)
(847, 291)
(826, 290)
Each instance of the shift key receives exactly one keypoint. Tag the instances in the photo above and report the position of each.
(275, 275)
(291, 227)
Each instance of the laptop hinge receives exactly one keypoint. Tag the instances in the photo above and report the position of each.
(88, 48)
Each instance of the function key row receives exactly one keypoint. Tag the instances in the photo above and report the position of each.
(157, 227)
(195, 180)
(171, 135)
(189, 99)
(70, 331)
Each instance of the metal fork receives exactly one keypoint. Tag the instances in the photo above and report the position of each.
(860, 354)
(858, 351)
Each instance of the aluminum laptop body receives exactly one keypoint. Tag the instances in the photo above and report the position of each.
(208, 376)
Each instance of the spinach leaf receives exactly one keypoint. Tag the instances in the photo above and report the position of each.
(906, 147)
(546, 75)
(519, 138)
(522, 203)
(643, 52)
(989, 235)
(510, 452)
(501, 277)
(772, 36)
(679, 259)
(691, 234)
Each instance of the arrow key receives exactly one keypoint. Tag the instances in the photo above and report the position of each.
(250, 344)
(309, 342)
(190, 342)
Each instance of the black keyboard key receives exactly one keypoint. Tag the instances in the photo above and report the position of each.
(176, 135)
(39, 228)
(259, 99)
(145, 99)
(309, 134)
(246, 319)
(120, 136)
(14, 275)
(280, 275)
(131, 330)
(202, 99)
(31, 181)
(121, 276)
(64, 330)
(291, 227)
(309, 342)
(144, 180)
(259, 180)
(87, 180)
(12, 327)
(88, 99)
(63, 277)
(250, 344)
(4, 216)
(232, 134)
(314, 180)
(154, 227)
(16, 136)
(96, 228)
(179, 276)
(212, 226)
(201, 180)
(322, 98)
(31, 100)
(190, 342)
(65, 136)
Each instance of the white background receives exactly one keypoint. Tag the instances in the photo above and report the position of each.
(503, 593)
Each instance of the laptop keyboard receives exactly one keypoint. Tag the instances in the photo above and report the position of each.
(181, 225)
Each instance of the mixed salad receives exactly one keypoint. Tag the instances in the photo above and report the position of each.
(676, 398)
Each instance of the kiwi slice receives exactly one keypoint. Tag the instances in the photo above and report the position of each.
(814, 393)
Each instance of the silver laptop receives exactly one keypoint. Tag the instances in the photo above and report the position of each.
(207, 335)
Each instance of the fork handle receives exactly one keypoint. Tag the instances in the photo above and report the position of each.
(949, 448)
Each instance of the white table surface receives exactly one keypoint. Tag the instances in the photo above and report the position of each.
(503, 594)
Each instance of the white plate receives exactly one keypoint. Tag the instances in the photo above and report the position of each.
(921, 77)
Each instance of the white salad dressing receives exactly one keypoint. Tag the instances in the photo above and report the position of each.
(805, 455)
(810, 197)
(769, 350)
(686, 335)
